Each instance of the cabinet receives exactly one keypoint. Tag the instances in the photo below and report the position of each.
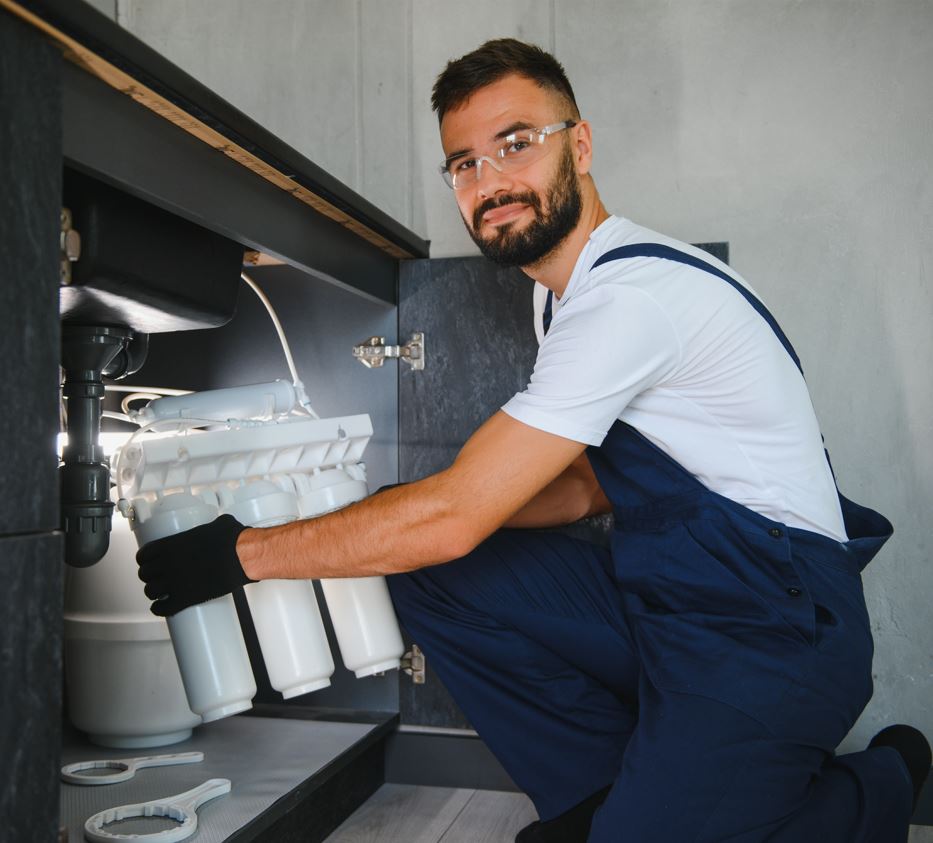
(337, 285)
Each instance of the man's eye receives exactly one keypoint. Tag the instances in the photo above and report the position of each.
(517, 147)
(463, 166)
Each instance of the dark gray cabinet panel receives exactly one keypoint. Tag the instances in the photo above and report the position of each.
(480, 350)
(30, 204)
(31, 559)
(30, 691)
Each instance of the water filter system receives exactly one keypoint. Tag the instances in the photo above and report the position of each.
(261, 454)
(264, 473)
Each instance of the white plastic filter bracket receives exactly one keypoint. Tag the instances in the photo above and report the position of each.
(206, 458)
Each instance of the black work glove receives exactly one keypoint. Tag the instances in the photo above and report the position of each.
(192, 567)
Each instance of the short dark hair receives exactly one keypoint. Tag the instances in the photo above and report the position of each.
(491, 62)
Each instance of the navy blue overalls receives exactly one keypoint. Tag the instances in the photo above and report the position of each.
(706, 666)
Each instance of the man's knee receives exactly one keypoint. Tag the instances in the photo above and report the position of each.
(421, 589)
(451, 583)
(508, 569)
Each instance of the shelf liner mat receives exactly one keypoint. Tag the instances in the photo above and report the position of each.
(264, 758)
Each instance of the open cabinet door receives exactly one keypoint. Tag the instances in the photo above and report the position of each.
(480, 348)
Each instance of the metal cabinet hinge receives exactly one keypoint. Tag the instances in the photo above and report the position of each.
(69, 248)
(373, 352)
(413, 664)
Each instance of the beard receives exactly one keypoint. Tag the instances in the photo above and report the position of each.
(532, 244)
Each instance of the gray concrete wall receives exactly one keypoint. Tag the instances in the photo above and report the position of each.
(799, 132)
(105, 7)
(329, 77)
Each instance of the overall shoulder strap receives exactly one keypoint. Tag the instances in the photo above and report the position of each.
(548, 311)
(657, 250)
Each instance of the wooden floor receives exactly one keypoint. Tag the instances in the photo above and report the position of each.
(399, 813)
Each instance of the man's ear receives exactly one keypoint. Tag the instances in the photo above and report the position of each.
(582, 146)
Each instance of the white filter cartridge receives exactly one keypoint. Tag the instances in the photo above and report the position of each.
(365, 624)
(207, 638)
(285, 612)
(360, 607)
(291, 634)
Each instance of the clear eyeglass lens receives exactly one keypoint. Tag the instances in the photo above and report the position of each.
(513, 155)
(520, 151)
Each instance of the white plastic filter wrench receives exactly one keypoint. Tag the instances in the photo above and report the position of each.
(183, 808)
(123, 768)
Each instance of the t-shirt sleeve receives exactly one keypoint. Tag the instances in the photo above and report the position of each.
(604, 347)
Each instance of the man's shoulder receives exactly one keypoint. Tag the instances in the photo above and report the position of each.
(627, 253)
(623, 239)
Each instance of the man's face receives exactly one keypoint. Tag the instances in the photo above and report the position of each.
(515, 218)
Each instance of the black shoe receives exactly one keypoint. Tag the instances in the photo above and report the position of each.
(572, 826)
(912, 746)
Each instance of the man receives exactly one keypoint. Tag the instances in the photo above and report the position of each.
(692, 682)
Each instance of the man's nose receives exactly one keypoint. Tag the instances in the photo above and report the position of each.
(490, 178)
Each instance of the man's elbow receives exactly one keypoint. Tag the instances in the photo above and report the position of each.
(457, 523)
(461, 528)
(459, 538)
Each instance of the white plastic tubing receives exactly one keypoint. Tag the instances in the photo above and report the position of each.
(289, 360)
(297, 396)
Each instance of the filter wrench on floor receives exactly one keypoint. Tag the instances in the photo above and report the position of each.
(83, 773)
(182, 808)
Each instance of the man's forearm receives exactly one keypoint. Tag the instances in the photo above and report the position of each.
(503, 466)
(397, 530)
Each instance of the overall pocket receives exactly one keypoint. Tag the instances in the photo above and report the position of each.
(717, 612)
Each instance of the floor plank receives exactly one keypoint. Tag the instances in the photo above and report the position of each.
(491, 817)
(410, 814)
(398, 813)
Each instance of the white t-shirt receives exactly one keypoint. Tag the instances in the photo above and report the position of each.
(682, 357)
